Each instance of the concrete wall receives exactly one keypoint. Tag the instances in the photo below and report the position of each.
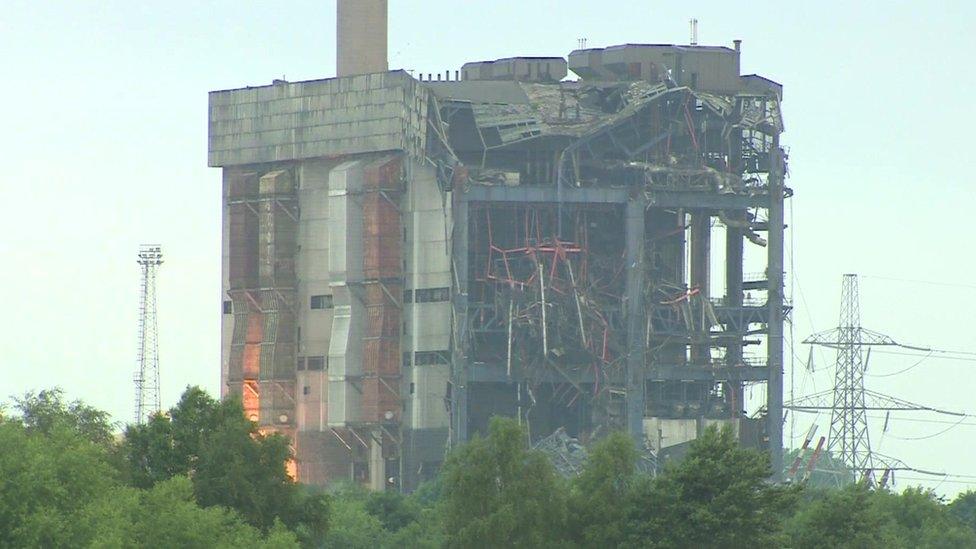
(361, 38)
(707, 68)
(227, 313)
(663, 433)
(315, 325)
(521, 69)
(317, 119)
(428, 324)
(345, 224)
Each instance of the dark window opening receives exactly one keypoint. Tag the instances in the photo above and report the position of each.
(408, 296)
(406, 360)
(412, 387)
(306, 390)
(316, 363)
(301, 364)
(360, 471)
(427, 358)
(228, 307)
(321, 301)
(431, 295)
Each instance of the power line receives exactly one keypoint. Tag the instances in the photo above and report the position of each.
(929, 356)
(963, 359)
(793, 356)
(901, 371)
(926, 437)
(945, 480)
(929, 282)
(913, 470)
(918, 420)
(849, 432)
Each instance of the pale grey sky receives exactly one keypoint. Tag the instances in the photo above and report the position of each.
(104, 147)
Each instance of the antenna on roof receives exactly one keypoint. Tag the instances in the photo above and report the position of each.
(581, 42)
(694, 32)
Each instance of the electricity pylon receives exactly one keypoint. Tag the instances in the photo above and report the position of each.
(146, 377)
(849, 436)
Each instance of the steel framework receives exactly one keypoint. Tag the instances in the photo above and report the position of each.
(146, 377)
(851, 401)
(848, 422)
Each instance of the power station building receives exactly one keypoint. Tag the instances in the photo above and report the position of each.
(406, 256)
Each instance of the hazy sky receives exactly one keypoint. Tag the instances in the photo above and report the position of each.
(104, 107)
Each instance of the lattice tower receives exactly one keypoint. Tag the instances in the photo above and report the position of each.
(146, 377)
(849, 423)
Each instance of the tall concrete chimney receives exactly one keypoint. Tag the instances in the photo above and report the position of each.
(361, 37)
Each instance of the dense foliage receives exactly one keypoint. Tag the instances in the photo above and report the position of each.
(230, 463)
(203, 476)
(62, 485)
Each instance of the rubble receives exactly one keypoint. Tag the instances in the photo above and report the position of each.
(566, 453)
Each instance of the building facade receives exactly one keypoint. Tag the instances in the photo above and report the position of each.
(404, 258)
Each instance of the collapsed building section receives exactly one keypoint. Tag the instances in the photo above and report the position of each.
(406, 258)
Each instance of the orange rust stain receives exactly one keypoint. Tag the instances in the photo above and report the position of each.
(251, 397)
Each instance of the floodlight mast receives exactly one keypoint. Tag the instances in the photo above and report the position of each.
(146, 377)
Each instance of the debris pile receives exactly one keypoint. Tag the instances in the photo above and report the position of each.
(566, 453)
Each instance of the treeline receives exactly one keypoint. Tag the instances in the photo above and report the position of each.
(202, 476)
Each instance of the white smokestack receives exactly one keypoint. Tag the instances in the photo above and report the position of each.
(361, 37)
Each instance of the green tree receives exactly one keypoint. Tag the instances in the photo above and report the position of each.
(427, 532)
(353, 527)
(841, 518)
(229, 461)
(917, 518)
(46, 476)
(717, 496)
(856, 517)
(393, 509)
(44, 411)
(964, 508)
(602, 493)
(383, 519)
(167, 516)
(58, 488)
(498, 493)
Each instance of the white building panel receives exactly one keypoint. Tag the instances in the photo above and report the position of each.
(664, 433)
(427, 403)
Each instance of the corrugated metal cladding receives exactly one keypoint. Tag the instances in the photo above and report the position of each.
(290, 121)
(260, 218)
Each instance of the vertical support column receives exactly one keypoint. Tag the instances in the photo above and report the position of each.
(679, 349)
(377, 465)
(459, 336)
(634, 239)
(774, 391)
(701, 243)
(733, 298)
